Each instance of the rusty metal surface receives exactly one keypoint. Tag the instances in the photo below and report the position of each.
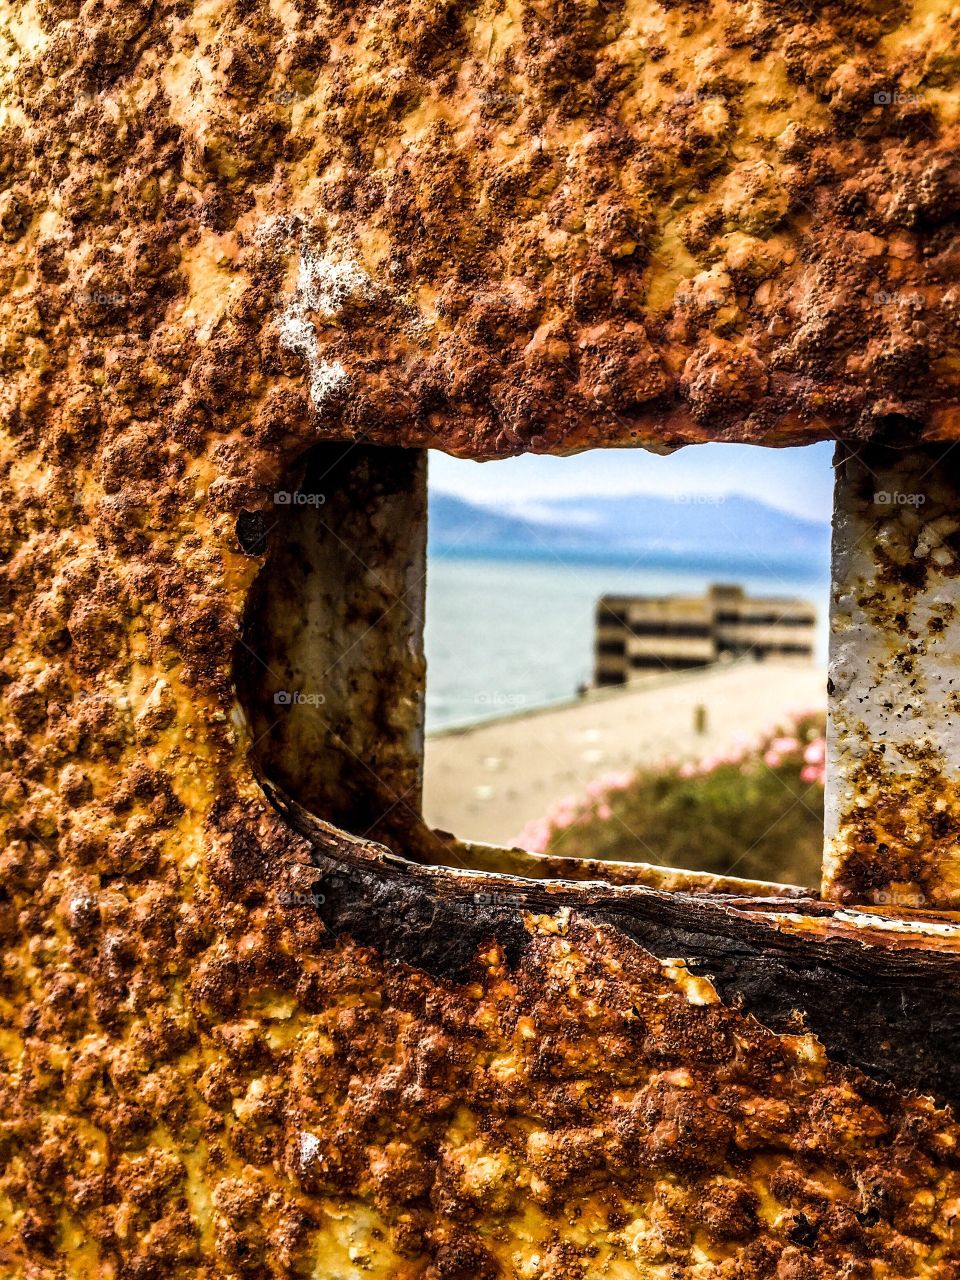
(497, 225)
(476, 856)
(231, 1047)
(330, 669)
(892, 803)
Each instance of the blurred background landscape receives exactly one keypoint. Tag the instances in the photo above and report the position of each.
(519, 554)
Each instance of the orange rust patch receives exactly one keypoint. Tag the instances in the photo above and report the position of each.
(226, 231)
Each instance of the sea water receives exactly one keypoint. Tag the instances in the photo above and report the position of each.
(509, 635)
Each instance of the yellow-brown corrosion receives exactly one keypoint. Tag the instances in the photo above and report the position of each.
(893, 802)
(493, 226)
(899, 845)
(226, 231)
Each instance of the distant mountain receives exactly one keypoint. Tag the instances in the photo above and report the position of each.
(455, 523)
(732, 531)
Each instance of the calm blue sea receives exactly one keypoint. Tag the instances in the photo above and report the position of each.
(512, 635)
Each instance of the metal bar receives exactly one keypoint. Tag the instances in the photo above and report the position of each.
(892, 832)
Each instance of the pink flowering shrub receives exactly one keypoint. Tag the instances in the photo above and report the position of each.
(755, 810)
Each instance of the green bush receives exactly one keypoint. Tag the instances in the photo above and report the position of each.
(756, 811)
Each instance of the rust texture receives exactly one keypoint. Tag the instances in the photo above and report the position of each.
(497, 226)
(232, 1045)
(893, 788)
(330, 666)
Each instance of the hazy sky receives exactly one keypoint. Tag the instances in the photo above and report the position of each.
(797, 480)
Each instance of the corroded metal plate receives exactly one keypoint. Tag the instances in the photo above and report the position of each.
(234, 1043)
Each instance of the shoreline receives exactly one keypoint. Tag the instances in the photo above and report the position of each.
(484, 781)
(592, 694)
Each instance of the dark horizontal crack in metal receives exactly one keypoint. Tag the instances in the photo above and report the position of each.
(895, 1016)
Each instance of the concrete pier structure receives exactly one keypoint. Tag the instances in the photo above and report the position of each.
(637, 635)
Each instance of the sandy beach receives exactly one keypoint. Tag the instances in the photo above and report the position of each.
(487, 782)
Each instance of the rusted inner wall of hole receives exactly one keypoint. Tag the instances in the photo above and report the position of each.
(331, 669)
(893, 740)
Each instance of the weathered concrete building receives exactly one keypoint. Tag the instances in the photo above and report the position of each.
(256, 1019)
(637, 635)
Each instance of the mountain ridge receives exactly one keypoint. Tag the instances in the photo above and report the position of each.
(736, 529)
